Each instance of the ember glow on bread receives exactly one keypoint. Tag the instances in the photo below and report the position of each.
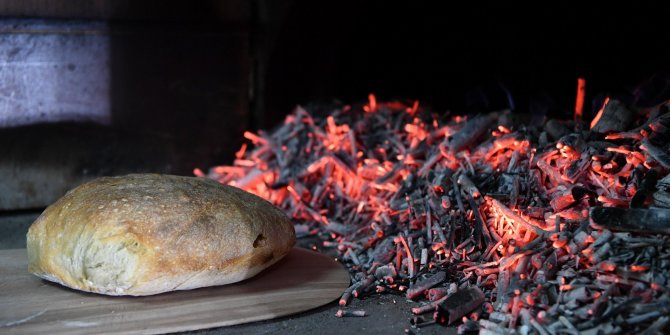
(145, 234)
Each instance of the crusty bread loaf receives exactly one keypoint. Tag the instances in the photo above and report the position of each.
(145, 234)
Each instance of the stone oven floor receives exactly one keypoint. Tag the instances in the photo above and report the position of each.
(387, 314)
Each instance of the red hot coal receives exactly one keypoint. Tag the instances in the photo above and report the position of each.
(558, 227)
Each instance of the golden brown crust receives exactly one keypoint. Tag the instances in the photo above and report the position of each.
(146, 233)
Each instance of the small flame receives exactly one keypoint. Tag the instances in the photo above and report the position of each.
(372, 104)
(579, 101)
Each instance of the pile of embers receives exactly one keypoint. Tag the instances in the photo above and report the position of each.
(556, 228)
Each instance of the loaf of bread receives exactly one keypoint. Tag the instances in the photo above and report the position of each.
(145, 234)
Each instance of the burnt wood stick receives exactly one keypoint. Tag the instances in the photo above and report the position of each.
(610, 313)
(481, 230)
(645, 190)
(501, 289)
(460, 303)
(468, 186)
(459, 199)
(636, 133)
(658, 154)
(615, 117)
(429, 307)
(470, 132)
(429, 224)
(444, 221)
(434, 294)
(577, 168)
(346, 295)
(553, 175)
(661, 199)
(365, 285)
(643, 220)
(515, 282)
(423, 285)
(342, 313)
(514, 194)
(509, 214)
(657, 326)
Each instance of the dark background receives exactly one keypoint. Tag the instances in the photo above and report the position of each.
(459, 56)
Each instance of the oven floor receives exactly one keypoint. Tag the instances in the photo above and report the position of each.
(387, 314)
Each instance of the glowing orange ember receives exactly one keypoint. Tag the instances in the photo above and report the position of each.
(372, 104)
(579, 102)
